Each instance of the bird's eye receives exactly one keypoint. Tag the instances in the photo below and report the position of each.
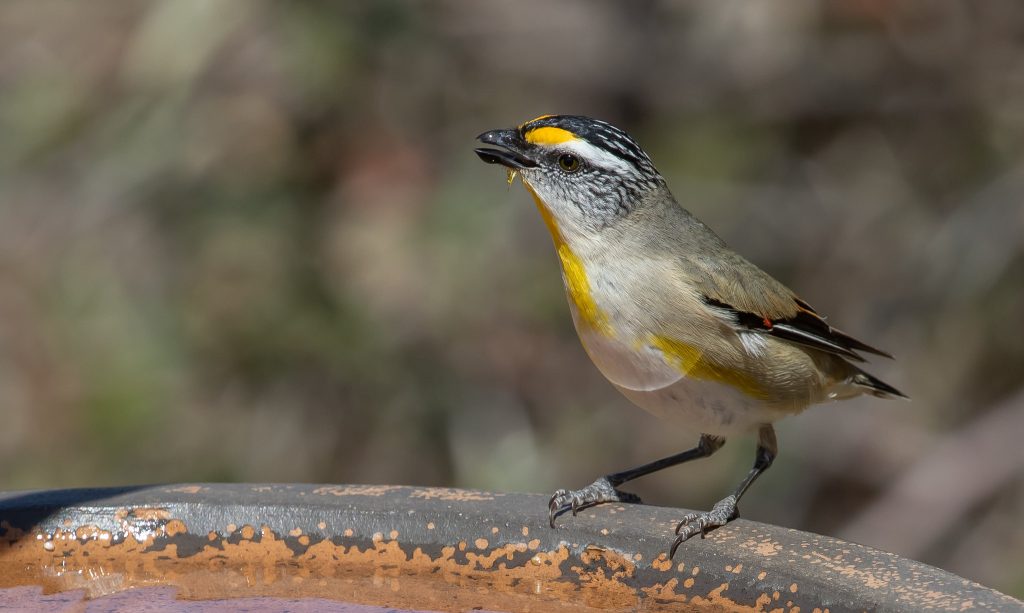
(569, 163)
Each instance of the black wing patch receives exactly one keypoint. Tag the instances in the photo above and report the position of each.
(805, 328)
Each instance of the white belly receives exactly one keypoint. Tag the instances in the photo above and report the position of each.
(707, 407)
(644, 375)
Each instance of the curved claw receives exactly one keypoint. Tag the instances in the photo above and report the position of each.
(577, 500)
(689, 517)
(692, 529)
(675, 545)
(554, 506)
(693, 524)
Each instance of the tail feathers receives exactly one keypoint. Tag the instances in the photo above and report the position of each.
(876, 386)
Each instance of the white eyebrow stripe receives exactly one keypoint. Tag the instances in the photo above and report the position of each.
(596, 156)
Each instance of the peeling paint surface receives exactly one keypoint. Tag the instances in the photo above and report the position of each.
(442, 550)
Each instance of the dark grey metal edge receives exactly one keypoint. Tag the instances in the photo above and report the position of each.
(751, 560)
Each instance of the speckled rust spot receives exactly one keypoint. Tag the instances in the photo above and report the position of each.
(604, 575)
(765, 547)
(662, 563)
(716, 599)
(188, 489)
(435, 493)
(92, 532)
(175, 527)
(353, 490)
(140, 516)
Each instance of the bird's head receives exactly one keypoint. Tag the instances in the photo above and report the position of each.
(586, 173)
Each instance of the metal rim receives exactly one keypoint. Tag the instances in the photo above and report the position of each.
(498, 544)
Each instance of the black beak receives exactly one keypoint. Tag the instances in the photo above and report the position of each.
(510, 156)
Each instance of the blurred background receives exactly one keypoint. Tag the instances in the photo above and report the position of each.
(249, 241)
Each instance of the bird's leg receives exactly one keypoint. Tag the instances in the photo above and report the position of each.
(725, 510)
(605, 488)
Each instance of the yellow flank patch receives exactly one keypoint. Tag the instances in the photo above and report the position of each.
(691, 362)
(548, 135)
(575, 275)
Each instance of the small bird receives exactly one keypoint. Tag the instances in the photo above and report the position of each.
(679, 323)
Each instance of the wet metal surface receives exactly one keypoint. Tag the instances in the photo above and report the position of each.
(315, 547)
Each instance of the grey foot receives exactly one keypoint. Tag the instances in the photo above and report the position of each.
(597, 492)
(693, 524)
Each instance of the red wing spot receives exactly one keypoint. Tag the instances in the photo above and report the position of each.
(767, 323)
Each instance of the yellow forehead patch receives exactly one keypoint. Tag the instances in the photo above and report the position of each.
(549, 135)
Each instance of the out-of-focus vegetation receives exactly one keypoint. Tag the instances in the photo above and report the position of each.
(250, 241)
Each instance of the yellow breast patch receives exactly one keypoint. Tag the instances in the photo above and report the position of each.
(691, 362)
(575, 275)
